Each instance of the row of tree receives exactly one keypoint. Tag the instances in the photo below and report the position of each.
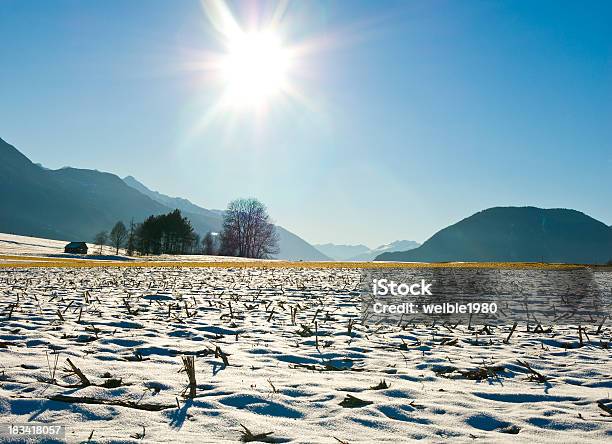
(165, 234)
(247, 231)
(116, 238)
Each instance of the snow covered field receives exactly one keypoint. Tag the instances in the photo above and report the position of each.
(28, 247)
(13, 244)
(282, 353)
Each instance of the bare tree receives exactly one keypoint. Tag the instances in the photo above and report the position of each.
(208, 244)
(101, 239)
(195, 245)
(130, 239)
(118, 235)
(248, 230)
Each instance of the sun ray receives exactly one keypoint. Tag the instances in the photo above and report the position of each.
(220, 17)
(258, 68)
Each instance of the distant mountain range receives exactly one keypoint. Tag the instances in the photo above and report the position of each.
(516, 234)
(361, 252)
(341, 252)
(292, 247)
(74, 204)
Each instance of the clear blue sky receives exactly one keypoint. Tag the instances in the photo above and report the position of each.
(418, 114)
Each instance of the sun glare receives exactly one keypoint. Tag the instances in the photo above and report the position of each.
(254, 68)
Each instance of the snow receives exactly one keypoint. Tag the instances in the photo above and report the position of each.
(29, 247)
(137, 323)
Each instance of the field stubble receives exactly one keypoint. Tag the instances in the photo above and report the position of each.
(280, 355)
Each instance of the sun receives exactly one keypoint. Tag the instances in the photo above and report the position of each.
(254, 68)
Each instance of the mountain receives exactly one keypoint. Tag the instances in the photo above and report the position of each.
(74, 204)
(361, 252)
(341, 252)
(292, 247)
(516, 234)
(399, 245)
(63, 204)
(171, 202)
(208, 220)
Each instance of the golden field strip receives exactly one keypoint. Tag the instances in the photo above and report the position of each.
(13, 261)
